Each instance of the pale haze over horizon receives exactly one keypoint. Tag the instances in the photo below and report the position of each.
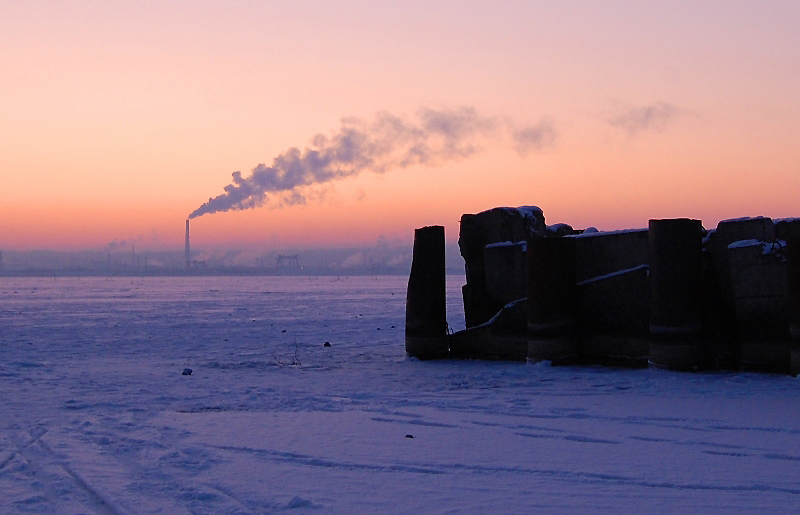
(120, 119)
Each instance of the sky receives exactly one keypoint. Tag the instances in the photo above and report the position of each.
(351, 121)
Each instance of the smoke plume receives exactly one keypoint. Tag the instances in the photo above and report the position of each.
(655, 117)
(388, 142)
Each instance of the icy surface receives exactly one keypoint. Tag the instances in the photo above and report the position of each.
(98, 418)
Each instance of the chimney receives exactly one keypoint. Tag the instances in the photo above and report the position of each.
(188, 250)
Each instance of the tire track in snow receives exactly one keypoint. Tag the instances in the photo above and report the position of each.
(17, 451)
(171, 478)
(316, 461)
(680, 423)
(413, 422)
(58, 479)
(174, 495)
(618, 479)
(417, 467)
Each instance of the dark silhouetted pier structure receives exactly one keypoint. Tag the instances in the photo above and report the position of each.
(673, 295)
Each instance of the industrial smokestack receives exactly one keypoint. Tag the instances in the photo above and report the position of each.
(388, 142)
(188, 249)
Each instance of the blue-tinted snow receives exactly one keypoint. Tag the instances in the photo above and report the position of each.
(98, 418)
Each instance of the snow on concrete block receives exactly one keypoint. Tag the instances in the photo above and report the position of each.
(729, 231)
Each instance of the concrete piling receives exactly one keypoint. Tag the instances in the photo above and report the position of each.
(676, 267)
(793, 279)
(426, 308)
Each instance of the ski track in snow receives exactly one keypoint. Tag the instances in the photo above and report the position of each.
(97, 417)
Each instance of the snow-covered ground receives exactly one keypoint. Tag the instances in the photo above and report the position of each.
(96, 416)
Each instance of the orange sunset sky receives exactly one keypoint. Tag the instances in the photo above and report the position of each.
(119, 119)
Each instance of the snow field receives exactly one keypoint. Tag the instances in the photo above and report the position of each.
(97, 417)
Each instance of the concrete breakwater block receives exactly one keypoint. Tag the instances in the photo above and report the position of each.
(613, 318)
(602, 253)
(760, 290)
(505, 272)
(501, 224)
(552, 300)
